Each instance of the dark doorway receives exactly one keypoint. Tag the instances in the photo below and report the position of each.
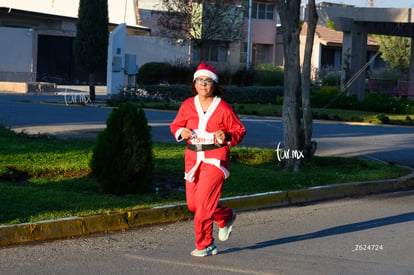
(55, 62)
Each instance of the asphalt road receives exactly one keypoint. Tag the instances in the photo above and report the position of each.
(393, 144)
(370, 235)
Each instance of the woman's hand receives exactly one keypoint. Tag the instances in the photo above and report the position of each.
(186, 133)
(220, 136)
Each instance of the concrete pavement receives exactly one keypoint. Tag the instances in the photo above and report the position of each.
(77, 226)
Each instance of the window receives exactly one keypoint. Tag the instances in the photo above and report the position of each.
(243, 52)
(212, 51)
(262, 54)
(260, 11)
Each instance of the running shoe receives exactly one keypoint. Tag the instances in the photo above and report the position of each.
(224, 233)
(208, 251)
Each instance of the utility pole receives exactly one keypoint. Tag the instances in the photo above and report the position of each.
(249, 37)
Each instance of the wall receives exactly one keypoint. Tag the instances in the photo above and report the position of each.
(17, 52)
(263, 31)
(156, 49)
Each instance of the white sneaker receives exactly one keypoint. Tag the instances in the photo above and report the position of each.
(210, 250)
(224, 233)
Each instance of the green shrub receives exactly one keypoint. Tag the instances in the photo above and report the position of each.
(386, 104)
(332, 79)
(181, 74)
(122, 158)
(324, 116)
(244, 77)
(324, 96)
(383, 118)
(380, 103)
(253, 94)
(327, 89)
(178, 93)
(269, 75)
(331, 97)
(407, 106)
(154, 73)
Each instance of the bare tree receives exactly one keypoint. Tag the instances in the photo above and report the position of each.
(201, 21)
(176, 20)
(307, 124)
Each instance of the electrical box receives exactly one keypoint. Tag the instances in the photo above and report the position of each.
(131, 67)
(116, 64)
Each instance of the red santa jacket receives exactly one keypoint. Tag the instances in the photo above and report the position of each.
(219, 116)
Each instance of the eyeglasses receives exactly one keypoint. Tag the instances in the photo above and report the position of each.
(207, 81)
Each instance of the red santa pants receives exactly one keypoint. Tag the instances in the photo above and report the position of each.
(202, 199)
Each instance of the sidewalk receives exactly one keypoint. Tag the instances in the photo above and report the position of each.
(83, 226)
(45, 88)
(99, 90)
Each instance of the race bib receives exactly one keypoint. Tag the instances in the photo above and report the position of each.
(202, 137)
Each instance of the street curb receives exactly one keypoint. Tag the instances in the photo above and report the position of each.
(81, 226)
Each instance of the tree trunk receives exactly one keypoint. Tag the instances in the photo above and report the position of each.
(289, 16)
(309, 147)
(92, 94)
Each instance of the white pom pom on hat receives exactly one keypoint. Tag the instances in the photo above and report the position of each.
(206, 70)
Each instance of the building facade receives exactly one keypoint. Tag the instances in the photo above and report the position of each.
(231, 53)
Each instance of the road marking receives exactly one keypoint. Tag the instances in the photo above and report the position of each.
(197, 265)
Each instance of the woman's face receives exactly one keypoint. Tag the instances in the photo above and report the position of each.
(204, 86)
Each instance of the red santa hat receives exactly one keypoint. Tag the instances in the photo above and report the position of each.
(206, 70)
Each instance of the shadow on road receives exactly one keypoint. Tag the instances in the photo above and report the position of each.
(337, 230)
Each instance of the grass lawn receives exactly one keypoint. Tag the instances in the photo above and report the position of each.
(44, 177)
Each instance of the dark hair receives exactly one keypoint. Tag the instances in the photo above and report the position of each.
(217, 89)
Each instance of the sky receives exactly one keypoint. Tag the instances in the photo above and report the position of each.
(377, 3)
